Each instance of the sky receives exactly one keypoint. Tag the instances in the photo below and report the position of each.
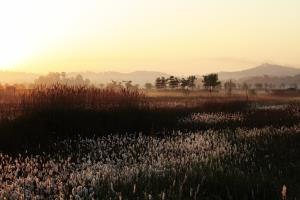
(173, 36)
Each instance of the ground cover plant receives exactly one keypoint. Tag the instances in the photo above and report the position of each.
(64, 142)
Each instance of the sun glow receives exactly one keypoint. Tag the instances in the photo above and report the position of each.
(35, 30)
(28, 28)
(13, 47)
(128, 35)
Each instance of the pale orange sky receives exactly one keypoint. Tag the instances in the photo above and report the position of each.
(174, 36)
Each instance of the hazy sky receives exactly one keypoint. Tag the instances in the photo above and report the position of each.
(174, 36)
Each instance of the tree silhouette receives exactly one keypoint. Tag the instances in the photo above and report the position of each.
(184, 83)
(191, 81)
(160, 83)
(173, 82)
(211, 81)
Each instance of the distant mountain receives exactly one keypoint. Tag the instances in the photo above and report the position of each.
(261, 73)
(261, 70)
(273, 81)
(137, 77)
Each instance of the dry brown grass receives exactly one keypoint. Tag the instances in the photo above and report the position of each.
(45, 113)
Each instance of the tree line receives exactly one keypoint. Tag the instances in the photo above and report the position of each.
(174, 82)
(210, 82)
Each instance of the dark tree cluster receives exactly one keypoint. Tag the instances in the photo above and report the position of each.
(173, 82)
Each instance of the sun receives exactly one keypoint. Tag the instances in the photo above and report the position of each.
(14, 40)
(26, 28)
(11, 55)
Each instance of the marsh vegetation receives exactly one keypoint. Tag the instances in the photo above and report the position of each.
(78, 142)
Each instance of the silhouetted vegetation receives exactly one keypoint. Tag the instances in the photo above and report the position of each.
(175, 83)
(117, 142)
(45, 113)
(61, 78)
(211, 81)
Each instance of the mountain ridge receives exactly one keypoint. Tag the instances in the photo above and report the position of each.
(142, 76)
(261, 70)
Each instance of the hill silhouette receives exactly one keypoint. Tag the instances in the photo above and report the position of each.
(261, 70)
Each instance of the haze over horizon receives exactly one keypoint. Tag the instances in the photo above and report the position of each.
(171, 36)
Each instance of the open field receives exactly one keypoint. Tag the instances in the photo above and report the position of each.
(149, 100)
(89, 143)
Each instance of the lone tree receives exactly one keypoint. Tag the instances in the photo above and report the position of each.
(211, 81)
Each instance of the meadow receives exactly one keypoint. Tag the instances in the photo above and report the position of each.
(64, 142)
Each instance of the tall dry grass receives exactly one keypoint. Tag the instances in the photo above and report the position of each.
(43, 114)
(80, 97)
(48, 112)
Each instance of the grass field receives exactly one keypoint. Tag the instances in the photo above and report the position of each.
(88, 143)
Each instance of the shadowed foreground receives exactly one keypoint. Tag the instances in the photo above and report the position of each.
(86, 143)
